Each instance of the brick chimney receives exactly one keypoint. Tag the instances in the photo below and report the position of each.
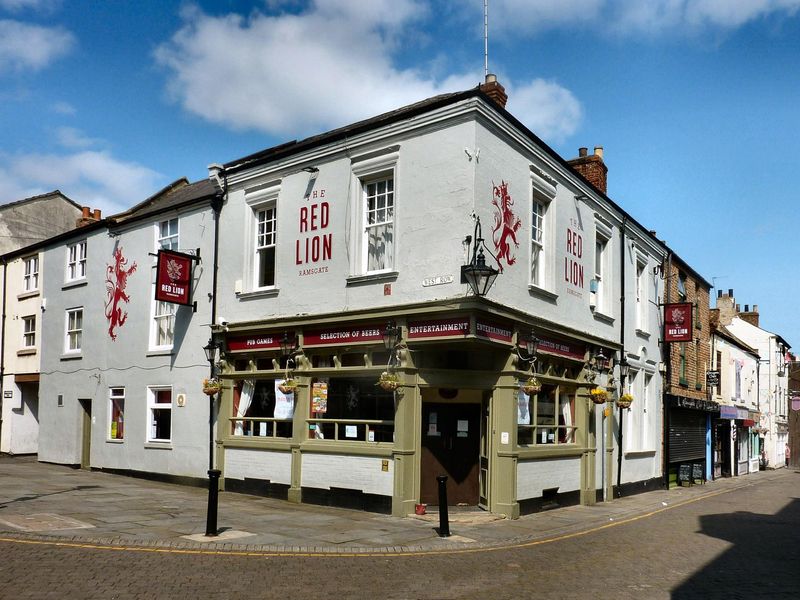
(593, 169)
(88, 216)
(494, 90)
(750, 316)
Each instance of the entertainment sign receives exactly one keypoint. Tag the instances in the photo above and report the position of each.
(438, 328)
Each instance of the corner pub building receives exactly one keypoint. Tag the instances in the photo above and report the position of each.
(334, 243)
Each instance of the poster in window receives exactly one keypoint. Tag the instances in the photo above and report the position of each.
(319, 397)
(284, 403)
(678, 322)
(174, 277)
(523, 410)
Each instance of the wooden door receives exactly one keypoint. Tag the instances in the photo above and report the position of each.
(450, 446)
(86, 433)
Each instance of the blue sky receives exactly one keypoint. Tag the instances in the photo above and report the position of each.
(695, 101)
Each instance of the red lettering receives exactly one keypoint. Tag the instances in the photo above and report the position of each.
(327, 243)
(324, 213)
(303, 219)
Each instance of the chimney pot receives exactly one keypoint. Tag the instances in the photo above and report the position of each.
(582, 152)
(491, 78)
(97, 214)
(738, 308)
(730, 292)
(85, 210)
(755, 308)
(719, 293)
(746, 308)
(494, 90)
(598, 151)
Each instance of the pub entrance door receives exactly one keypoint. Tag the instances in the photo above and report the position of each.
(451, 446)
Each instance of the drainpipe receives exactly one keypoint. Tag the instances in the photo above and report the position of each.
(3, 342)
(216, 206)
(666, 350)
(622, 349)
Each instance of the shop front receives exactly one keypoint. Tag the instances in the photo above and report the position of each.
(346, 417)
(736, 442)
(689, 440)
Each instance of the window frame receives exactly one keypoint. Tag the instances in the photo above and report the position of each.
(172, 239)
(570, 431)
(386, 178)
(382, 164)
(72, 331)
(76, 261)
(116, 415)
(154, 324)
(154, 405)
(264, 198)
(28, 334)
(603, 276)
(642, 283)
(30, 274)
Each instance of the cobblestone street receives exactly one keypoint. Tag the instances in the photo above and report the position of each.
(733, 543)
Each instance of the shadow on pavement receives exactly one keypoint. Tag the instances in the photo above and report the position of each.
(764, 561)
(77, 488)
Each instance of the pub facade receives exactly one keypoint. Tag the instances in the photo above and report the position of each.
(357, 365)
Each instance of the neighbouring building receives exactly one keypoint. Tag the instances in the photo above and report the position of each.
(737, 446)
(773, 375)
(22, 224)
(122, 371)
(688, 410)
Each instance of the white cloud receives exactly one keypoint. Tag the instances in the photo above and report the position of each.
(19, 5)
(626, 17)
(295, 74)
(70, 137)
(549, 110)
(24, 46)
(90, 178)
(64, 108)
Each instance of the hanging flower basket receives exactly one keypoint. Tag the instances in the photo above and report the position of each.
(288, 386)
(599, 395)
(211, 386)
(388, 381)
(531, 386)
(625, 400)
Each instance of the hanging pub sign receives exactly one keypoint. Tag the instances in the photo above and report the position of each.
(174, 277)
(678, 322)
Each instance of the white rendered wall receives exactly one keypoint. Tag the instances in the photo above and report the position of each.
(350, 472)
(275, 467)
(537, 475)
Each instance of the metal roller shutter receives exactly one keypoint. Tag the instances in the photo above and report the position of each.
(687, 435)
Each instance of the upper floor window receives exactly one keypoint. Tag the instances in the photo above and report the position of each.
(29, 331)
(682, 286)
(76, 261)
(163, 327)
(602, 279)
(265, 244)
(31, 280)
(642, 297)
(74, 330)
(378, 245)
(168, 235)
(538, 239)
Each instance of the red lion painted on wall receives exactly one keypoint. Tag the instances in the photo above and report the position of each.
(506, 225)
(116, 282)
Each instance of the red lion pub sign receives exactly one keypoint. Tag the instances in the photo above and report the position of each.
(174, 277)
(678, 322)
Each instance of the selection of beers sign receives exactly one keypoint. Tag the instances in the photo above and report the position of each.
(174, 277)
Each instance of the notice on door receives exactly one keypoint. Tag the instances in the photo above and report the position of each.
(462, 428)
(433, 430)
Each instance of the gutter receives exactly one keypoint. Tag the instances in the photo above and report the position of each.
(622, 348)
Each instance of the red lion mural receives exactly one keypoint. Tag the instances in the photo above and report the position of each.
(506, 225)
(116, 282)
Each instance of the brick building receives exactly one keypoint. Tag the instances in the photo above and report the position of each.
(688, 410)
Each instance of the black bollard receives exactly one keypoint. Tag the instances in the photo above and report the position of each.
(444, 521)
(213, 496)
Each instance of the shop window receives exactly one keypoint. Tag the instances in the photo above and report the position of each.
(349, 409)
(545, 418)
(261, 410)
(116, 412)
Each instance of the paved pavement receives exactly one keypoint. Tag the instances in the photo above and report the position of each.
(55, 503)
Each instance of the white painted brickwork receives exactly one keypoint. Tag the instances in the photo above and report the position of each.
(258, 464)
(351, 472)
(537, 475)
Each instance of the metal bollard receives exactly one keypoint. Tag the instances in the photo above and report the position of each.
(444, 521)
(213, 496)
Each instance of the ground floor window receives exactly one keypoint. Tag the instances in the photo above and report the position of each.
(116, 400)
(547, 417)
(261, 409)
(159, 408)
(350, 409)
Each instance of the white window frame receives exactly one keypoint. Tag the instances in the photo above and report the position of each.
(260, 199)
(166, 239)
(116, 394)
(76, 261)
(73, 330)
(602, 268)
(543, 193)
(642, 282)
(376, 217)
(162, 311)
(367, 169)
(31, 278)
(29, 331)
(152, 406)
